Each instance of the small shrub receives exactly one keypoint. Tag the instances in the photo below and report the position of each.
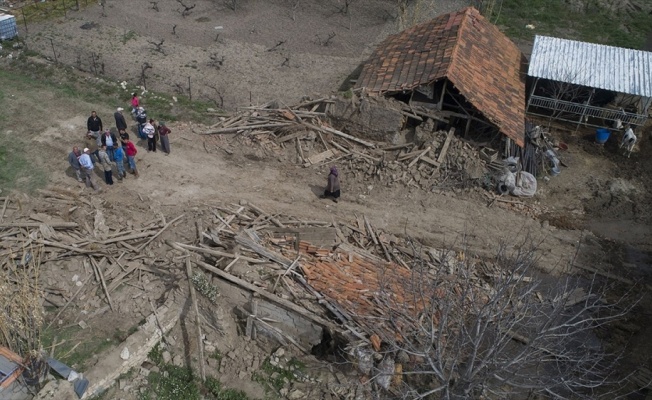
(204, 287)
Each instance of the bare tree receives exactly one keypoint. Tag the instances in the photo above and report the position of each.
(97, 63)
(345, 9)
(565, 95)
(158, 46)
(489, 8)
(294, 9)
(232, 4)
(473, 330)
(218, 99)
(143, 73)
(186, 9)
(216, 61)
(325, 41)
(277, 45)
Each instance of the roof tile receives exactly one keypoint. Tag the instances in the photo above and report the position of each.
(483, 64)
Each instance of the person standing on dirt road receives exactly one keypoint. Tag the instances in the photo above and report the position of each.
(150, 132)
(141, 118)
(135, 104)
(163, 132)
(91, 143)
(124, 136)
(131, 156)
(119, 158)
(87, 166)
(120, 122)
(107, 165)
(73, 160)
(333, 186)
(94, 125)
(110, 141)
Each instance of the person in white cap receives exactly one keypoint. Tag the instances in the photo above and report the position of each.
(120, 122)
(87, 166)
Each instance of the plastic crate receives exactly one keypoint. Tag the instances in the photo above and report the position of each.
(8, 29)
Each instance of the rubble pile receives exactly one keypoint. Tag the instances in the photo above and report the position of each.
(428, 158)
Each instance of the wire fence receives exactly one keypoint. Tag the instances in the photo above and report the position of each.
(69, 54)
(41, 10)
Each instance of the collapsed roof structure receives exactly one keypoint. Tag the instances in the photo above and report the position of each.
(459, 63)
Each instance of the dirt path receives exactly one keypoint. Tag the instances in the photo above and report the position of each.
(191, 177)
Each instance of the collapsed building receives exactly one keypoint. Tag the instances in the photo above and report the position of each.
(457, 68)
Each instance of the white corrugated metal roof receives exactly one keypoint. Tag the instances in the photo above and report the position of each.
(593, 65)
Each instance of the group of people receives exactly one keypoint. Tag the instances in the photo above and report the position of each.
(103, 147)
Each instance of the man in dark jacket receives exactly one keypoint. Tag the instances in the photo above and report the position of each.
(110, 141)
(120, 123)
(94, 125)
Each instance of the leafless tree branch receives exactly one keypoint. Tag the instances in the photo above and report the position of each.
(186, 9)
(474, 329)
(158, 46)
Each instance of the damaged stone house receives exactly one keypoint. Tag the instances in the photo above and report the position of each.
(458, 68)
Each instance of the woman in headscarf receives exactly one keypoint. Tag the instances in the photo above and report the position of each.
(333, 187)
(163, 132)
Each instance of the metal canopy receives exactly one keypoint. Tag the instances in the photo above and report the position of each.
(594, 65)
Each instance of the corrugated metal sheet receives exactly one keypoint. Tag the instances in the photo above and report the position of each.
(593, 65)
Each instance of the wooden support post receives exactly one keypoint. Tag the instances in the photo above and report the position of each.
(4, 208)
(200, 342)
(102, 281)
(300, 151)
(444, 149)
(54, 51)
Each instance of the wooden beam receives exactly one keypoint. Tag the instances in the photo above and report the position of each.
(159, 232)
(341, 134)
(288, 305)
(317, 158)
(200, 342)
(54, 225)
(247, 127)
(416, 159)
(212, 252)
(262, 251)
(444, 149)
(291, 136)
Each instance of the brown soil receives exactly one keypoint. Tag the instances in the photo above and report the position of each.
(595, 210)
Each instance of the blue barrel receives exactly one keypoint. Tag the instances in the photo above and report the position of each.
(602, 135)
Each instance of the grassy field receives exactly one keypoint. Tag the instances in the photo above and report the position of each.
(591, 22)
(16, 171)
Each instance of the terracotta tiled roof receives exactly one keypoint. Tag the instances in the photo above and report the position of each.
(483, 64)
(366, 290)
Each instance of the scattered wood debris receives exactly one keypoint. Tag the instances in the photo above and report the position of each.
(437, 159)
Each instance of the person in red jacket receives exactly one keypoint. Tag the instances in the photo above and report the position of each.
(131, 156)
(135, 103)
